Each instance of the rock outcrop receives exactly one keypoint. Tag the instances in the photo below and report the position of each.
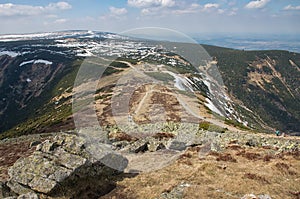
(63, 167)
(72, 166)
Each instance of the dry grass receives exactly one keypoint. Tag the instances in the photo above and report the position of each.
(284, 168)
(219, 176)
(230, 174)
(235, 147)
(226, 157)
(256, 177)
(249, 155)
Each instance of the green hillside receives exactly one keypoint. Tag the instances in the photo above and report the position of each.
(265, 82)
(275, 95)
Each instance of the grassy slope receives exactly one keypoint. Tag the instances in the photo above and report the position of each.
(44, 115)
(234, 66)
(235, 172)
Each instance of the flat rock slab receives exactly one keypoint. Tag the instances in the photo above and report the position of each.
(63, 161)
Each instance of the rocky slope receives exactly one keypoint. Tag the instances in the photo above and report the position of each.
(62, 166)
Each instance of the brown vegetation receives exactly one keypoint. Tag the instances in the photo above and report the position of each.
(256, 177)
(284, 168)
(10, 153)
(249, 155)
(121, 136)
(163, 135)
(226, 157)
(218, 176)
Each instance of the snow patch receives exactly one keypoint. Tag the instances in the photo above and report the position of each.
(207, 83)
(9, 53)
(26, 62)
(212, 107)
(182, 83)
(86, 54)
(39, 61)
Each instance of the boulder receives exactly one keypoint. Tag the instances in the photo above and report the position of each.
(264, 196)
(176, 193)
(63, 166)
(249, 196)
(177, 145)
(5, 191)
(252, 196)
(147, 144)
(29, 196)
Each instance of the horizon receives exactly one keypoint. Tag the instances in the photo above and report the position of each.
(191, 17)
(288, 42)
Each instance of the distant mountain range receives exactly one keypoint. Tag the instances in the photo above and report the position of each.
(258, 90)
(252, 42)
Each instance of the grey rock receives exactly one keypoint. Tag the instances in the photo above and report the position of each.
(139, 146)
(155, 145)
(215, 146)
(204, 150)
(252, 142)
(28, 196)
(264, 196)
(5, 190)
(15, 187)
(120, 144)
(59, 163)
(175, 193)
(47, 146)
(34, 143)
(178, 146)
(115, 161)
(147, 144)
(249, 196)
(252, 196)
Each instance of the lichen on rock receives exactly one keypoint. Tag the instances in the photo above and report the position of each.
(63, 166)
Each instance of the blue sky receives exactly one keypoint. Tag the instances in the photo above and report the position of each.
(187, 16)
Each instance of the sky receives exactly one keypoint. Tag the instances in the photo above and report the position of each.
(191, 17)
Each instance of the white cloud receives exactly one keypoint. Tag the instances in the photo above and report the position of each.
(118, 11)
(233, 12)
(146, 11)
(257, 4)
(290, 7)
(151, 3)
(59, 6)
(232, 3)
(60, 21)
(158, 11)
(210, 6)
(51, 16)
(10, 9)
(221, 11)
(193, 8)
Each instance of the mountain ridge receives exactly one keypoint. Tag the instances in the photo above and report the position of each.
(70, 55)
